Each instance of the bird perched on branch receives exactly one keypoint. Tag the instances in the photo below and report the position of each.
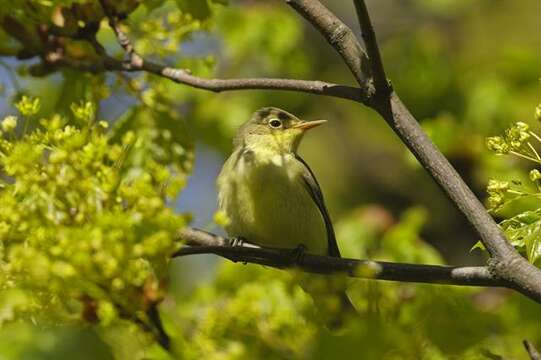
(272, 198)
(268, 192)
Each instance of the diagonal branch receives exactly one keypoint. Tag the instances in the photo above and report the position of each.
(162, 337)
(369, 37)
(201, 242)
(505, 261)
(122, 39)
(406, 126)
(531, 350)
(338, 34)
(408, 129)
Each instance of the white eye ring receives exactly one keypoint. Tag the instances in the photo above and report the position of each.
(275, 123)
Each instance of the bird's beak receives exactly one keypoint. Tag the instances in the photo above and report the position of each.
(305, 125)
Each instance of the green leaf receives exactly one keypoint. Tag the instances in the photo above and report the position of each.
(478, 245)
(524, 232)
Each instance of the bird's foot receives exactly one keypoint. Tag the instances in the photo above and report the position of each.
(236, 241)
(297, 254)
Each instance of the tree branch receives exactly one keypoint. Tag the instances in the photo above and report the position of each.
(338, 34)
(505, 262)
(201, 242)
(532, 351)
(405, 125)
(135, 63)
(376, 65)
(218, 85)
(161, 335)
(182, 76)
(122, 39)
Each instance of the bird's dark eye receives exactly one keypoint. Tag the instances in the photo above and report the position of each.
(275, 123)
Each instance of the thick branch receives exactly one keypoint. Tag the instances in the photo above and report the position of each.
(505, 261)
(201, 242)
(408, 129)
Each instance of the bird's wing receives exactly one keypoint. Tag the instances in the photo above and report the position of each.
(314, 190)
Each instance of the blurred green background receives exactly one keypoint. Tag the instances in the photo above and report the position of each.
(466, 69)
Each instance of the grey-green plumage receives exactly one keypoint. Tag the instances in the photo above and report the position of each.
(268, 192)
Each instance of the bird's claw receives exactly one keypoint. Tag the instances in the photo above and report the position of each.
(297, 254)
(236, 242)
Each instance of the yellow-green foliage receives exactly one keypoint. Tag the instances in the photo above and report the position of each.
(252, 312)
(249, 311)
(266, 315)
(85, 231)
(522, 227)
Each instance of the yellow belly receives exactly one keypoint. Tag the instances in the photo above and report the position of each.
(268, 204)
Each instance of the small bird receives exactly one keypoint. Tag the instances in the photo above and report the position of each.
(268, 192)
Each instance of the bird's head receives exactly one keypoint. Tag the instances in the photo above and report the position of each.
(274, 130)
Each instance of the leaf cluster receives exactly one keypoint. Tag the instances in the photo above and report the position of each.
(85, 229)
(523, 229)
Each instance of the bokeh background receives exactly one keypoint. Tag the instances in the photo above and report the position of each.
(466, 69)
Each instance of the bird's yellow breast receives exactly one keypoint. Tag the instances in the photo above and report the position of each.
(264, 196)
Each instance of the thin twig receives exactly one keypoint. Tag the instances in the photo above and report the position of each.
(525, 156)
(123, 40)
(151, 328)
(182, 76)
(534, 135)
(532, 351)
(381, 83)
(218, 85)
(135, 62)
(534, 151)
(161, 336)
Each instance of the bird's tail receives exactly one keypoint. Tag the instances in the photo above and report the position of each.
(330, 298)
(336, 320)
